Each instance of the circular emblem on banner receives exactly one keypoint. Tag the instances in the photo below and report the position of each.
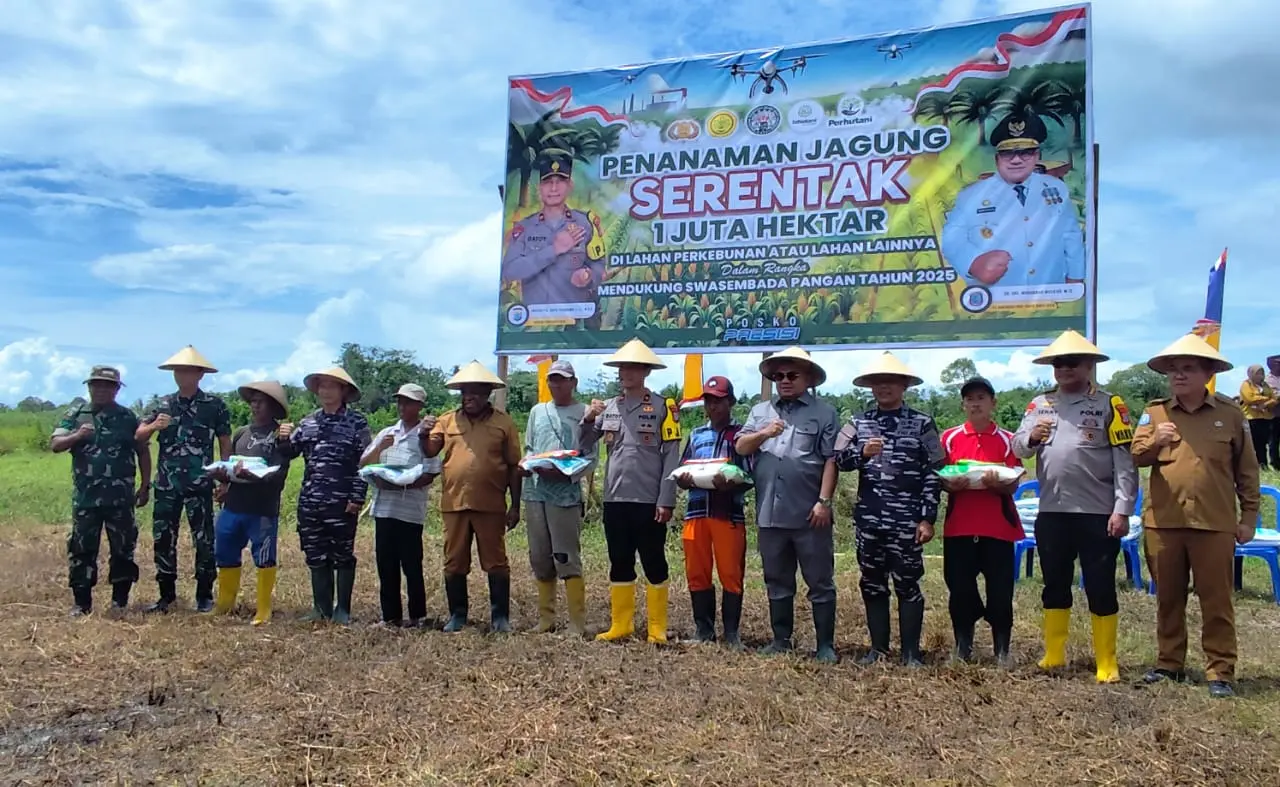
(805, 115)
(517, 314)
(722, 123)
(975, 300)
(764, 119)
(850, 105)
(683, 130)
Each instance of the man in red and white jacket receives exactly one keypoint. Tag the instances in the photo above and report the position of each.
(981, 525)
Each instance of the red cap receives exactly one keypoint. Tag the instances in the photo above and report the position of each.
(718, 386)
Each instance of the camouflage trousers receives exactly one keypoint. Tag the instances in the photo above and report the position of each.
(86, 537)
(328, 537)
(890, 553)
(166, 517)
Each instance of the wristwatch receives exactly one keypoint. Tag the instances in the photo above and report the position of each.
(824, 501)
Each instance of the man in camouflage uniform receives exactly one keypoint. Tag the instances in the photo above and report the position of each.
(188, 422)
(557, 254)
(105, 454)
(331, 440)
(895, 450)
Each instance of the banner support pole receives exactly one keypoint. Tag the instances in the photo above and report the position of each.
(500, 397)
(1093, 317)
(766, 386)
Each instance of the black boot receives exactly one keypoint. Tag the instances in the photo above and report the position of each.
(731, 614)
(878, 627)
(499, 603)
(204, 595)
(321, 595)
(455, 590)
(1001, 636)
(346, 582)
(964, 641)
(704, 614)
(824, 627)
(168, 595)
(910, 622)
(782, 616)
(120, 595)
(83, 602)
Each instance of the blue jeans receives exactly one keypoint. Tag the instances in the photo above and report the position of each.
(233, 531)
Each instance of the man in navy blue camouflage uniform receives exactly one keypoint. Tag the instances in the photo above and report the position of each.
(331, 440)
(895, 450)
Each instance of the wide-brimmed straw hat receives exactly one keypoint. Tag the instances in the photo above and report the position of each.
(312, 382)
(271, 388)
(474, 373)
(887, 365)
(795, 355)
(1190, 346)
(1070, 345)
(635, 352)
(190, 358)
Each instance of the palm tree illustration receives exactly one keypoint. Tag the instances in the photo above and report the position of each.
(976, 104)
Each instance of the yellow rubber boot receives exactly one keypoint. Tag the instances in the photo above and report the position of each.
(266, 586)
(228, 589)
(622, 603)
(1057, 623)
(575, 593)
(656, 603)
(1104, 648)
(546, 606)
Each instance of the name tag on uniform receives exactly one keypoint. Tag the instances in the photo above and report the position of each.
(909, 428)
(868, 430)
(991, 209)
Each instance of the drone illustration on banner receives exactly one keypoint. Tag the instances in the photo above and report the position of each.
(893, 51)
(769, 74)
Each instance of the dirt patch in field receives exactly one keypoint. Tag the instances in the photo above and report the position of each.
(185, 699)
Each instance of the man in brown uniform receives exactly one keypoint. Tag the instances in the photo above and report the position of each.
(482, 451)
(1198, 448)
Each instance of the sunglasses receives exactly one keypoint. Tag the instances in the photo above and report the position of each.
(1067, 363)
(1013, 154)
(778, 377)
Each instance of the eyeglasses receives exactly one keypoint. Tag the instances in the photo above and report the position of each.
(778, 377)
(1012, 154)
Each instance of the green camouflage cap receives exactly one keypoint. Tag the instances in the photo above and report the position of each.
(105, 374)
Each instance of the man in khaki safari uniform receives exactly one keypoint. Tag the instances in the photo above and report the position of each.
(1203, 501)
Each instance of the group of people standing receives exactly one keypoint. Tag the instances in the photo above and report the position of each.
(1260, 401)
(1202, 499)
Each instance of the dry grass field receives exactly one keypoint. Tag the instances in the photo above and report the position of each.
(188, 699)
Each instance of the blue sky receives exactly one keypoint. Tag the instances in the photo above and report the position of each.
(269, 179)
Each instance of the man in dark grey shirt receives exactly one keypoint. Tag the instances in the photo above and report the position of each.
(792, 438)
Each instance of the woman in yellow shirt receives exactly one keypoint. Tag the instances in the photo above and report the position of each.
(1258, 400)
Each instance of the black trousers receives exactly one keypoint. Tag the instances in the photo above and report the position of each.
(1060, 539)
(1274, 445)
(397, 547)
(630, 529)
(963, 559)
(1261, 430)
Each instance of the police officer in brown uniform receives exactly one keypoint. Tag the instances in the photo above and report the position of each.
(1203, 500)
(641, 433)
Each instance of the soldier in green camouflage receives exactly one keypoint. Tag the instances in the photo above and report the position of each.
(105, 455)
(188, 423)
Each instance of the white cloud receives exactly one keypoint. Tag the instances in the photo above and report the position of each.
(35, 367)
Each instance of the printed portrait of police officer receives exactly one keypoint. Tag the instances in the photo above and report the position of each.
(1019, 227)
(557, 254)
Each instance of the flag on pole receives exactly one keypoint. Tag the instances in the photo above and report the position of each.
(544, 368)
(691, 393)
(1210, 327)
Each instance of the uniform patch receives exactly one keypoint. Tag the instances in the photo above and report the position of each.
(1145, 419)
(986, 232)
(516, 232)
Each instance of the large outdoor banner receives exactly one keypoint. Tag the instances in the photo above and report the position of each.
(915, 189)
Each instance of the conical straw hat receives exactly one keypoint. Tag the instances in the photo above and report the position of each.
(188, 357)
(474, 373)
(1070, 345)
(887, 365)
(636, 352)
(271, 388)
(1190, 346)
(312, 382)
(797, 355)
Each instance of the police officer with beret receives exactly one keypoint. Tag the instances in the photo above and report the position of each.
(557, 254)
(1018, 227)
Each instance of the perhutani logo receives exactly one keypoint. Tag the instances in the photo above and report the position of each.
(850, 111)
(763, 120)
(805, 115)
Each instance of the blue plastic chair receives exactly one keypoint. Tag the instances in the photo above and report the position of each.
(1265, 546)
(1027, 546)
(1131, 546)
